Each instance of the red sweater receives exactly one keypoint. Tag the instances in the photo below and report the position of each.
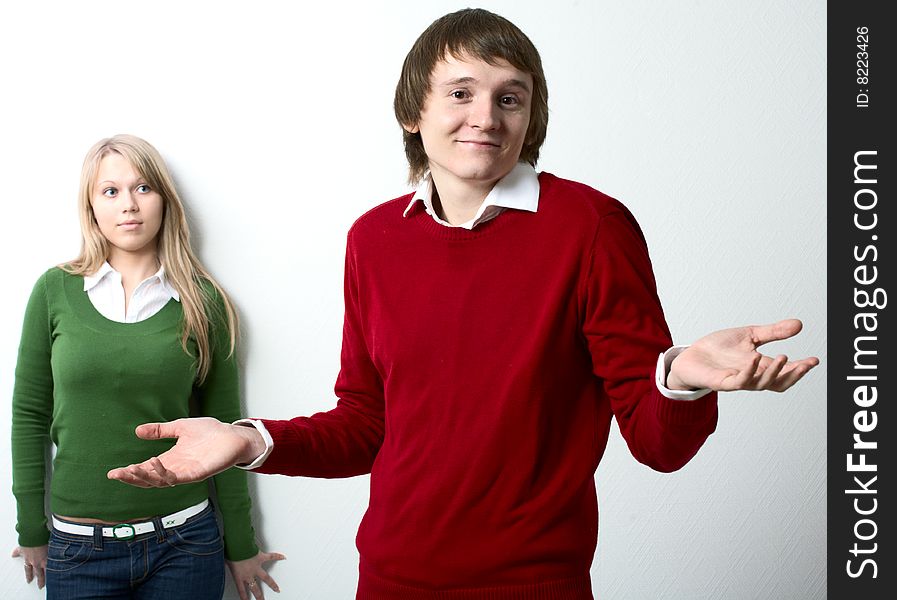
(480, 371)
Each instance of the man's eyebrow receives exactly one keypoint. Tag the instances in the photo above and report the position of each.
(459, 81)
(517, 83)
(465, 80)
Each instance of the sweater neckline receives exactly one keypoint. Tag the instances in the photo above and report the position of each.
(80, 304)
(460, 234)
(490, 227)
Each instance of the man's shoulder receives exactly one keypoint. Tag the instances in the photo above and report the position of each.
(581, 199)
(387, 214)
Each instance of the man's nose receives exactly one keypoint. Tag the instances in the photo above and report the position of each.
(483, 114)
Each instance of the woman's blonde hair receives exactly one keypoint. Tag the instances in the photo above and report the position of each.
(182, 268)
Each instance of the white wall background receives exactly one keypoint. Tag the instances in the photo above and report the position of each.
(706, 118)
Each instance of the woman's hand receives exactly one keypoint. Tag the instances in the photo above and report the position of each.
(35, 563)
(248, 574)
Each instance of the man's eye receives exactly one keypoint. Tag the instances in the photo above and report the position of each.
(459, 94)
(110, 192)
(509, 100)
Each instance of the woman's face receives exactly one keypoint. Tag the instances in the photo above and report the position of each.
(127, 210)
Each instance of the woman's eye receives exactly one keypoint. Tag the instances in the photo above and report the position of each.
(110, 192)
(143, 188)
(509, 100)
(459, 94)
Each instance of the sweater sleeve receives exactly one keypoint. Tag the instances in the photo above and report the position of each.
(342, 442)
(32, 408)
(625, 330)
(219, 397)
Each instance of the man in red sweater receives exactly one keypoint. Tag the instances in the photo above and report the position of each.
(496, 321)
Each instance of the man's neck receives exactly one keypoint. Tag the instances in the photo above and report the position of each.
(456, 202)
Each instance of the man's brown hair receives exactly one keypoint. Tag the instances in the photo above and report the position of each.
(474, 33)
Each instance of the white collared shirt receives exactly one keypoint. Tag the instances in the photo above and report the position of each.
(108, 296)
(519, 189)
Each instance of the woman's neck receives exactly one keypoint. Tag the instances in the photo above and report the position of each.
(133, 268)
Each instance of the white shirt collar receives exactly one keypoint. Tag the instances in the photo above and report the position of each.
(91, 281)
(519, 190)
(106, 270)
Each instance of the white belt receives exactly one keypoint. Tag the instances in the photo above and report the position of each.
(125, 531)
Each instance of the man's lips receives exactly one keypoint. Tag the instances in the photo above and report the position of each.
(483, 143)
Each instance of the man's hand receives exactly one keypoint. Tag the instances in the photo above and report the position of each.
(205, 447)
(248, 574)
(35, 563)
(728, 360)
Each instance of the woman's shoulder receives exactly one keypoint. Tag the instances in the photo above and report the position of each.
(213, 293)
(53, 278)
(216, 301)
(50, 290)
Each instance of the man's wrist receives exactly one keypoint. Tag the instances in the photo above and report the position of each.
(254, 443)
(670, 385)
(259, 443)
(674, 383)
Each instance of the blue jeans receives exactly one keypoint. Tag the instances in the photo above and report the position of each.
(184, 562)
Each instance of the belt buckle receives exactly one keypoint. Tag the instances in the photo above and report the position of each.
(127, 531)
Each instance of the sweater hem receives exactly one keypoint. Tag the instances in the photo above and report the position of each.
(372, 586)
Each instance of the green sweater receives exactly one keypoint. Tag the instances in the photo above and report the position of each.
(85, 382)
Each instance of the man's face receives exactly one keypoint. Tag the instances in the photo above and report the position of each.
(474, 122)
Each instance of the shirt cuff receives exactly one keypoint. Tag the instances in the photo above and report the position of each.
(269, 442)
(663, 368)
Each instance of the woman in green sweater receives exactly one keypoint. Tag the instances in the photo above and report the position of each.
(131, 331)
